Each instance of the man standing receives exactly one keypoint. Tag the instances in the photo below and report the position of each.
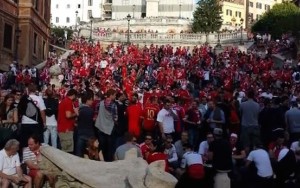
(66, 121)
(105, 123)
(292, 118)
(149, 116)
(10, 167)
(134, 113)
(85, 123)
(250, 133)
(32, 110)
(165, 118)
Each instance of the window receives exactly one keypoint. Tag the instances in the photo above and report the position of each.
(35, 39)
(7, 40)
(250, 4)
(238, 14)
(57, 6)
(257, 16)
(228, 12)
(36, 5)
(267, 7)
(68, 20)
(68, 6)
(78, 5)
(90, 14)
(90, 2)
(259, 5)
(57, 19)
(251, 16)
(44, 49)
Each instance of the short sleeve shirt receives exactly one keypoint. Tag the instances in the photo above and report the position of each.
(8, 164)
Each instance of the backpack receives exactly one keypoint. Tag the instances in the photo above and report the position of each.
(28, 108)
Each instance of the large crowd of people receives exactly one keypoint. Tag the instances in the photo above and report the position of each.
(230, 116)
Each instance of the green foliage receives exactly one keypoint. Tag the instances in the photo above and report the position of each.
(282, 18)
(60, 32)
(207, 16)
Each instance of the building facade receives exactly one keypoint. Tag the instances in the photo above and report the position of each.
(63, 13)
(66, 12)
(25, 31)
(233, 13)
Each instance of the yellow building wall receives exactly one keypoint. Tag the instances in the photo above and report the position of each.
(233, 18)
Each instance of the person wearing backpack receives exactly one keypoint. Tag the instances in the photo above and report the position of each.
(51, 104)
(31, 109)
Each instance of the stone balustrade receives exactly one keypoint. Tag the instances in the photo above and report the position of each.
(165, 38)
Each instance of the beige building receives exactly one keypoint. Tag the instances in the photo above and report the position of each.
(248, 10)
(234, 13)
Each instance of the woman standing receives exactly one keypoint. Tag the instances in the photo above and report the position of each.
(9, 118)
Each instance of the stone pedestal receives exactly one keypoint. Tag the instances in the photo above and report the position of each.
(152, 8)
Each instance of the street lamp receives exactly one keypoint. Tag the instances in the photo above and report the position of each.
(219, 43)
(91, 31)
(76, 13)
(241, 21)
(133, 10)
(180, 10)
(128, 31)
(17, 35)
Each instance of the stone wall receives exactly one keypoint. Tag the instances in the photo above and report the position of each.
(133, 172)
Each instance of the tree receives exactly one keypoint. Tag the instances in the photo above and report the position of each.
(282, 18)
(207, 16)
(59, 32)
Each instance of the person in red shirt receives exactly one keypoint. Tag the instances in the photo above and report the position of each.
(146, 146)
(158, 154)
(134, 113)
(149, 115)
(66, 121)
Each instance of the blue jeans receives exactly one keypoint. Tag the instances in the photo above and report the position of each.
(51, 131)
(193, 136)
(81, 142)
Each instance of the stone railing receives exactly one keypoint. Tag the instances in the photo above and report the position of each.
(59, 51)
(166, 38)
(74, 172)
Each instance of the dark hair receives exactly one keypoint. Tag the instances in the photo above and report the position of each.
(86, 96)
(251, 94)
(3, 111)
(35, 138)
(32, 88)
(128, 137)
(110, 92)
(72, 92)
(187, 146)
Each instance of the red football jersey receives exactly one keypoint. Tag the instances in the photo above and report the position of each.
(149, 114)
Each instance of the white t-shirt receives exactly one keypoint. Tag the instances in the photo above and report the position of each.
(167, 120)
(203, 147)
(295, 146)
(262, 162)
(51, 121)
(8, 164)
(39, 102)
(191, 158)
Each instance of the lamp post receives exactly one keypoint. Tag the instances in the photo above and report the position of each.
(91, 31)
(180, 10)
(17, 35)
(76, 13)
(128, 31)
(241, 21)
(133, 10)
(219, 43)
